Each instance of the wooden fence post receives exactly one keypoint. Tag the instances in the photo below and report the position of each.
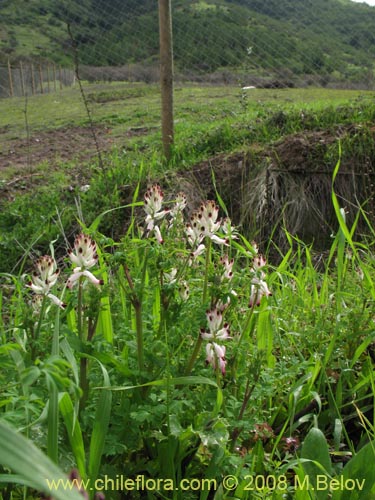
(32, 80)
(48, 80)
(22, 79)
(11, 93)
(60, 78)
(54, 77)
(41, 79)
(166, 75)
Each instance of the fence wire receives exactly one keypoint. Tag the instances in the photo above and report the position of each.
(118, 41)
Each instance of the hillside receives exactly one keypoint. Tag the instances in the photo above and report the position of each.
(325, 37)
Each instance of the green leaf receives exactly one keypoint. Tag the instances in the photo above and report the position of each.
(358, 477)
(189, 380)
(100, 429)
(29, 375)
(95, 224)
(31, 466)
(317, 461)
(74, 432)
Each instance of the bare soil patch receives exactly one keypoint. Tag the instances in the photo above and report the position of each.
(51, 146)
(36, 158)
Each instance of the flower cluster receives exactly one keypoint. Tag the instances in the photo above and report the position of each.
(218, 331)
(228, 266)
(84, 256)
(153, 200)
(259, 287)
(203, 224)
(44, 278)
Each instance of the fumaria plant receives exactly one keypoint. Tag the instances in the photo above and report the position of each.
(179, 353)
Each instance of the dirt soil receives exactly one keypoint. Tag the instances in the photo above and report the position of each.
(62, 144)
(20, 159)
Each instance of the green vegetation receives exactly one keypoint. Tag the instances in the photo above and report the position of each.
(330, 38)
(104, 363)
(124, 357)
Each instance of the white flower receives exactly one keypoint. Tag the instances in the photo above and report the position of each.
(184, 291)
(228, 265)
(44, 278)
(84, 256)
(229, 230)
(259, 289)
(216, 356)
(206, 219)
(179, 206)
(204, 223)
(217, 330)
(153, 200)
(170, 277)
(258, 262)
(78, 272)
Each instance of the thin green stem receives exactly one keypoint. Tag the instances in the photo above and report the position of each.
(137, 304)
(36, 332)
(206, 270)
(198, 343)
(139, 329)
(82, 334)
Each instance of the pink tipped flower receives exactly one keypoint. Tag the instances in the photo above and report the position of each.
(184, 291)
(216, 356)
(228, 265)
(179, 206)
(229, 230)
(217, 330)
(258, 262)
(158, 235)
(78, 273)
(84, 256)
(204, 224)
(153, 201)
(206, 218)
(193, 232)
(44, 278)
(214, 318)
(259, 289)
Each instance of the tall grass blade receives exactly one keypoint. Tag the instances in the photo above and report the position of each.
(74, 432)
(100, 429)
(32, 467)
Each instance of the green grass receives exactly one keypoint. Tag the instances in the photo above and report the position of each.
(121, 106)
(296, 399)
(116, 383)
(208, 120)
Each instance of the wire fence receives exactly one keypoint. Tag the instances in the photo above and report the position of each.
(25, 78)
(221, 44)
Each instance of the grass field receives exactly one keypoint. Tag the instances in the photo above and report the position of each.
(194, 367)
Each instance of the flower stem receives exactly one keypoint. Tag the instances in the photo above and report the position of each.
(198, 343)
(36, 332)
(83, 380)
(206, 269)
(137, 304)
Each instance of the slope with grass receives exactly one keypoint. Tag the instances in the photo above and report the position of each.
(240, 135)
